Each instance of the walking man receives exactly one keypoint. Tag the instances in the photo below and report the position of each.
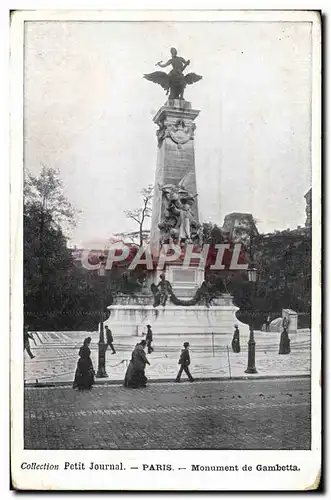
(27, 337)
(184, 362)
(110, 340)
(149, 339)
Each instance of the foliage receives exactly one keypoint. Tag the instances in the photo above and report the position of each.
(57, 295)
(283, 261)
(45, 191)
(213, 234)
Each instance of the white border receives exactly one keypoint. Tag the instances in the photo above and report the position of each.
(309, 460)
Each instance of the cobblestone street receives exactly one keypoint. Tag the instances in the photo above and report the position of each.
(238, 414)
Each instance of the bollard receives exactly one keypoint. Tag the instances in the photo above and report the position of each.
(227, 348)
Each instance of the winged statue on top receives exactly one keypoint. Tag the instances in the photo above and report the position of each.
(175, 81)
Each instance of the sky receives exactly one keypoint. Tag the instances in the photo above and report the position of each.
(88, 113)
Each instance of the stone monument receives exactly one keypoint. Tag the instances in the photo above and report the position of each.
(181, 302)
(175, 216)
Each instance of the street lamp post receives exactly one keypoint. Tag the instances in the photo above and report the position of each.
(252, 275)
(101, 373)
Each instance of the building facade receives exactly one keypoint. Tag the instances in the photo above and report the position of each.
(240, 226)
(308, 207)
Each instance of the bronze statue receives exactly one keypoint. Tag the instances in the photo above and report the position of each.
(175, 81)
(208, 292)
(161, 291)
(178, 223)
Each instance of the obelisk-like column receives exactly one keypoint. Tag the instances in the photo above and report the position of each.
(175, 159)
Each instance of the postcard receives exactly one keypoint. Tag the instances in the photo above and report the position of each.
(165, 236)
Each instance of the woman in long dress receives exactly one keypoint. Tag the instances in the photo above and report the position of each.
(284, 344)
(135, 374)
(236, 340)
(84, 376)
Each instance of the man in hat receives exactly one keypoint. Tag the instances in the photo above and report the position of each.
(184, 362)
(149, 339)
(110, 340)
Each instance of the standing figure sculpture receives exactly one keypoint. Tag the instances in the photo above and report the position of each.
(185, 223)
(161, 291)
(178, 223)
(175, 81)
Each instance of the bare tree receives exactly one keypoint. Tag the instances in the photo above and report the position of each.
(139, 215)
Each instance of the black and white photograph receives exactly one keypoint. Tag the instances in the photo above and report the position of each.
(165, 221)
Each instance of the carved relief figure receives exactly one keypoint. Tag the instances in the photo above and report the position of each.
(178, 223)
(179, 132)
(208, 292)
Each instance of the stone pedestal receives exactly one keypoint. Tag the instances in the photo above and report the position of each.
(175, 158)
(179, 321)
(184, 282)
(292, 318)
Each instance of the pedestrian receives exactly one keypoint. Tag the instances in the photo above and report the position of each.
(267, 324)
(184, 362)
(84, 376)
(149, 339)
(285, 323)
(27, 337)
(236, 340)
(110, 340)
(284, 344)
(135, 374)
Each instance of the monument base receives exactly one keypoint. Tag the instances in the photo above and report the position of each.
(184, 281)
(132, 319)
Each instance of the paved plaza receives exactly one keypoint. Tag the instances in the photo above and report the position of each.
(235, 414)
(56, 355)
